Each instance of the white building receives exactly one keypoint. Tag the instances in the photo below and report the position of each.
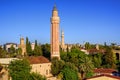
(7, 46)
(32, 46)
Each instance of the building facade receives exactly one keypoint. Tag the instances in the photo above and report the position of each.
(7, 46)
(32, 46)
(42, 66)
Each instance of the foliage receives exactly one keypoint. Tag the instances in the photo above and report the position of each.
(36, 76)
(19, 69)
(96, 59)
(69, 74)
(19, 51)
(89, 46)
(71, 66)
(79, 59)
(89, 74)
(12, 49)
(37, 49)
(28, 47)
(46, 50)
(57, 66)
(3, 53)
(64, 71)
(109, 59)
(73, 56)
(118, 66)
(86, 66)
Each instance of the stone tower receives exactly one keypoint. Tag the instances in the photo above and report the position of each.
(21, 41)
(97, 46)
(62, 40)
(55, 20)
(22, 46)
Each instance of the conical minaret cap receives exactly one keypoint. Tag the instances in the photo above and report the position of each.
(55, 8)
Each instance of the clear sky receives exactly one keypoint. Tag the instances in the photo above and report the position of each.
(95, 21)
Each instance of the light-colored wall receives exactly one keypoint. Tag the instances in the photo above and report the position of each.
(103, 73)
(4, 75)
(9, 46)
(42, 68)
(103, 78)
(23, 47)
(33, 46)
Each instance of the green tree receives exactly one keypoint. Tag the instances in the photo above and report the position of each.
(80, 60)
(36, 76)
(87, 45)
(3, 53)
(46, 50)
(96, 59)
(37, 49)
(19, 51)
(86, 66)
(57, 66)
(28, 47)
(12, 49)
(109, 59)
(118, 66)
(113, 45)
(69, 74)
(19, 69)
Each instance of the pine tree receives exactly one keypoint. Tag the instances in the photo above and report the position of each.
(28, 47)
(37, 49)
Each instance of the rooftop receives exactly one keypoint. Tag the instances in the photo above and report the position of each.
(104, 75)
(103, 70)
(38, 59)
(11, 43)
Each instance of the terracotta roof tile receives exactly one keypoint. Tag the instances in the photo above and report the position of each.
(38, 59)
(115, 77)
(103, 70)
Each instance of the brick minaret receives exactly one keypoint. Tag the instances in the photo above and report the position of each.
(55, 34)
(62, 40)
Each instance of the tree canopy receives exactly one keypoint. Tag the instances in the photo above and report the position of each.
(18, 69)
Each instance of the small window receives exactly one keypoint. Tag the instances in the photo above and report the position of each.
(46, 72)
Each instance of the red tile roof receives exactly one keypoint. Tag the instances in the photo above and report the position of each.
(103, 70)
(38, 59)
(93, 51)
(115, 77)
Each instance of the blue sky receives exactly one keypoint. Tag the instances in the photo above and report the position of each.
(95, 21)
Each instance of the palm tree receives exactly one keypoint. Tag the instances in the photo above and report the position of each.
(85, 66)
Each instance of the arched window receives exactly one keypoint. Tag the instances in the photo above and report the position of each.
(117, 56)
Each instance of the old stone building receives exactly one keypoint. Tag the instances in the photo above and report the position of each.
(7, 46)
(103, 77)
(22, 46)
(42, 66)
